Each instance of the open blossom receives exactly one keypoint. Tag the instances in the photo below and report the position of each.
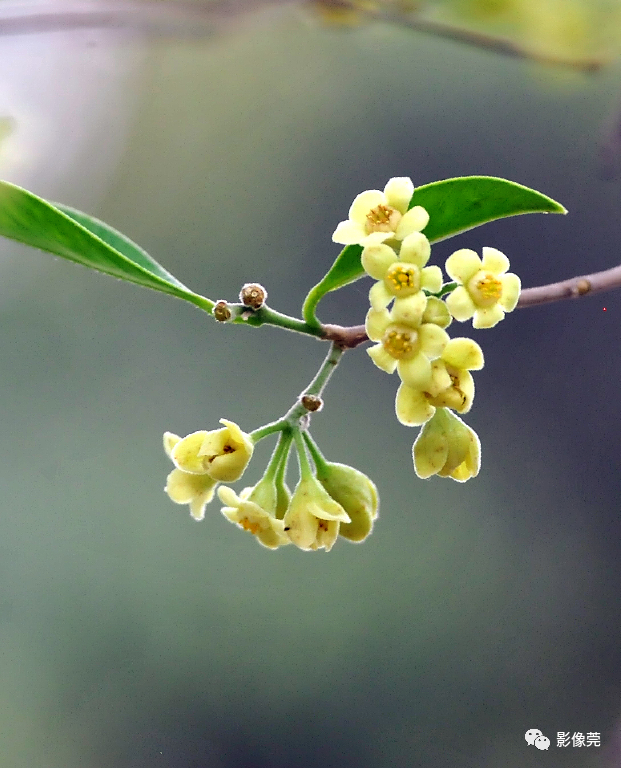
(447, 447)
(377, 216)
(400, 276)
(223, 454)
(313, 518)
(185, 487)
(451, 385)
(404, 342)
(486, 289)
(254, 511)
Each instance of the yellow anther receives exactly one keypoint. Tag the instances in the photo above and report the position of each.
(399, 344)
(382, 218)
(253, 528)
(403, 278)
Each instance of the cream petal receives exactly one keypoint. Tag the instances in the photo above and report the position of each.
(170, 440)
(399, 191)
(432, 340)
(462, 352)
(466, 384)
(379, 296)
(416, 249)
(377, 259)
(488, 317)
(365, 202)
(462, 265)
(437, 312)
(382, 359)
(511, 286)
(460, 304)
(415, 372)
(412, 407)
(197, 506)
(440, 378)
(185, 453)
(300, 526)
(182, 487)
(375, 238)
(348, 233)
(431, 279)
(326, 538)
(271, 539)
(414, 220)
(376, 323)
(409, 311)
(495, 261)
(228, 496)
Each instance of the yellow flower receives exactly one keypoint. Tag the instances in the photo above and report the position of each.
(447, 447)
(451, 386)
(254, 511)
(404, 342)
(377, 216)
(486, 289)
(313, 518)
(185, 487)
(223, 454)
(400, 276)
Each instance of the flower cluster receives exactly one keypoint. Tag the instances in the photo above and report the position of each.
(411, 337)
(335, 500)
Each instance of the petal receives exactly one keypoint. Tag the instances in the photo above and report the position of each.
(409, 311)
(511, 286)
(375, 238)
(271, 538)
(462, 352)
(382, 359)
(414, 220)
(376, 323)
(429, 452)
(460, 304)
(170, 440)
(437, 312)
(228, 496)
(348, 233)
(440, 378)
(488, 317)
(415, 372)
(377, 259)
(495, 261)
(462, 265)
(379, 296)
(399, 191)
(197, 506)
(326, 538)
(431, 279)
(182, 487)
(416, 249)
(365, 202)
(185, 453)
(300, 526)
(432, 340)
(412, 407)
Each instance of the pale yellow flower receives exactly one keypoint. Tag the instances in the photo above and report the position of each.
(486, 289)
(447, 447)
(451, 385)
(404, 342)
(356, 493)
(185, 487)
(400, 276)
(313, 518)
(377, 216)
(223, 454)
(254, 511)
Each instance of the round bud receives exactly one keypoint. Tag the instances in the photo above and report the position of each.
(253, 295)
(222, 312)
(312, 403)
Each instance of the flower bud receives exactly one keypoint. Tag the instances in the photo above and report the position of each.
(253, 295)
(222, 311)
(356, 493)
(312, 403)
(447, 447)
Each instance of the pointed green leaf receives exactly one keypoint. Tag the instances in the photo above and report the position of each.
(78, 237)
(454, 206)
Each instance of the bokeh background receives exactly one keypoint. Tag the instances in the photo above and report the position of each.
(133, 637)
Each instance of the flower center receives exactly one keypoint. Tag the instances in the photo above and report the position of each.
(400, 342)
(485, 289)
(403, 280)
(382, 218)
(248, 526)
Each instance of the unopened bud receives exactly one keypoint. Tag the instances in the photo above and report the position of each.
(222, 312)
(312, 403)
(253, 295)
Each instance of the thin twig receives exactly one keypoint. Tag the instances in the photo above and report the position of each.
(574, 288)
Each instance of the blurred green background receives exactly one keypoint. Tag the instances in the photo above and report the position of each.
(133, 637)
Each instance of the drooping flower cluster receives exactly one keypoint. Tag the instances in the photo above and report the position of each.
(410, 338)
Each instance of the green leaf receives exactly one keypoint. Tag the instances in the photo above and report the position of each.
(85, 240)
(454, 206)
